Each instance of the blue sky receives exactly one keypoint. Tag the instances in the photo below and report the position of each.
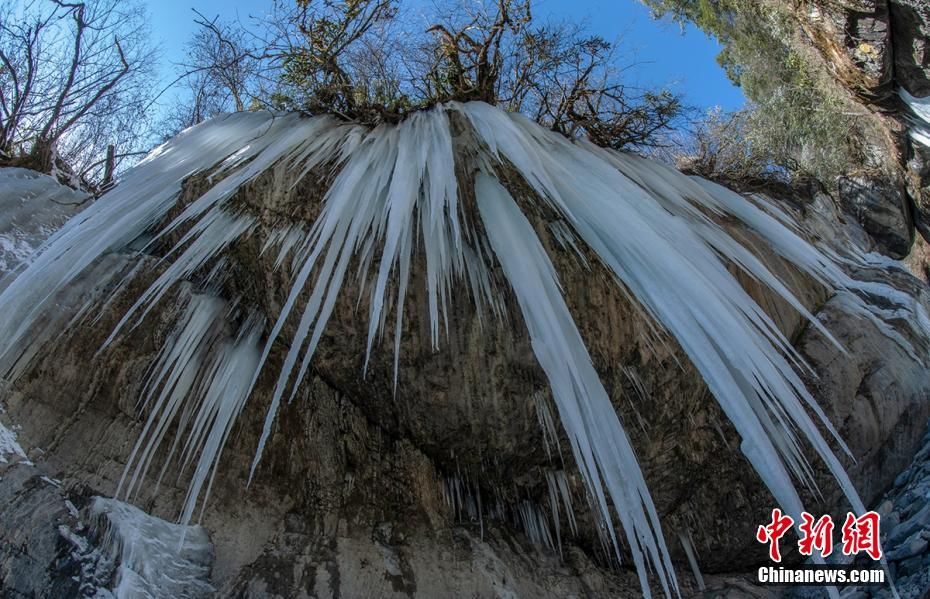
(665, 56)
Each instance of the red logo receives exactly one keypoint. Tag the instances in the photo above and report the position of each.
(817, 535)
(773, 532)
(859, 534)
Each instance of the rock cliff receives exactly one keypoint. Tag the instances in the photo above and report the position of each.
(448, 470)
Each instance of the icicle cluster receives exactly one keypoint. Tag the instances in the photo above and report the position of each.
(397, 188)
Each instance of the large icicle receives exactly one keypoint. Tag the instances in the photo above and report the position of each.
(600, 445)
(667, 264)
(204, 377)
(395, 174)
(146, 194)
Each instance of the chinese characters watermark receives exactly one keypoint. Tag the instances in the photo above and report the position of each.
(859, 534)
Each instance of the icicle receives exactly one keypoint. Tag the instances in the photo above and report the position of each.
(211, 235)
(687, 543)
(666, 264)
(143, 197)
(560, 499)
(205, 379)
(546, 424)
(173, 377)
(376, 193)
(598, 440)
(223, 399)
(533, 523)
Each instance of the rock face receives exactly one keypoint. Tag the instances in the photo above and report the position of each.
(868, 387)
(882, 210)
(109, 549)
(855, 37)
(33, 550)
(906, 516)
(910, 21)
(878, 50)
(873, 47)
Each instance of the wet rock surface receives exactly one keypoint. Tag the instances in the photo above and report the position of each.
(883, 211)
(32, 552)
(905, 512)
(910, 21)
(56, 542)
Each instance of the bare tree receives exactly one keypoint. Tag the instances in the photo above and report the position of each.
(361, 60)
(722, 148)
(73, 79)
(347, 62)
(218, 75)
(564, 79)
(230, 63)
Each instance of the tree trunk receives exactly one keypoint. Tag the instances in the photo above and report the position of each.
(42, 155)
(109, 166)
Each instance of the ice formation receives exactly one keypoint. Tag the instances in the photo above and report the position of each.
(153, 558)
(396, 193)
(921, 108)
(9, 446)
(32, 207)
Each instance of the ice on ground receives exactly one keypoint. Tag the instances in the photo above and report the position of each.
(9, 445)
(154, 559)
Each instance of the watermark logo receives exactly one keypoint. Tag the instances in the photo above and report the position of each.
(859, 534)
(773, 532)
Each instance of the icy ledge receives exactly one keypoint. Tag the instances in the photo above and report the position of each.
(32, 207)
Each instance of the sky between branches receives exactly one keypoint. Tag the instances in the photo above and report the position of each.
(684, 62)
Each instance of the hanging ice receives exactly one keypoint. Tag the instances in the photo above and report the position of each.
(599, 443)
(402, 192)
